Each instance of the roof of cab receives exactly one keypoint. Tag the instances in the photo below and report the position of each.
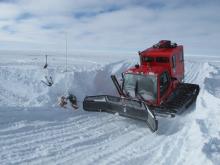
(156, 52)
(147, 70)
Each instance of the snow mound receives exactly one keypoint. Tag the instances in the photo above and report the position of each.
(22, 86)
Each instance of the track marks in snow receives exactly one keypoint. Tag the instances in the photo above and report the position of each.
(93, 139)
(192, 73)
(49, 136)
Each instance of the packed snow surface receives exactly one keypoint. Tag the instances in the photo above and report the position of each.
(35, 130)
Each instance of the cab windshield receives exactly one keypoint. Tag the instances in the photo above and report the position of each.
(143, 85)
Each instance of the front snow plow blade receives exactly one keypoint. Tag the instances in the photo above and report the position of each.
(123, 106)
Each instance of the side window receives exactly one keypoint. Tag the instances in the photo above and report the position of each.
(162, 59)
(174, 61)
(148, 59)
(164, 83)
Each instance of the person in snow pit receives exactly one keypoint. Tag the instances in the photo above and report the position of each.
(72, 99)
(63, 102)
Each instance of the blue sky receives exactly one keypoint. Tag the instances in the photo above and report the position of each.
(109, 25)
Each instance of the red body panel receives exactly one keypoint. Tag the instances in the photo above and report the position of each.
(177, 52)
(160, 58)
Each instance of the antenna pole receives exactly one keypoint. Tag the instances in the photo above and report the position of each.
(66, 52)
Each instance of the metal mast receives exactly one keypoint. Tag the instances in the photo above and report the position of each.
(66, 52)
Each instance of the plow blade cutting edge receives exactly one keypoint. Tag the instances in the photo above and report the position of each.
(123, 106)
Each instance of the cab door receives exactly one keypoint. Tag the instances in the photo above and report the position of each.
(164, 84)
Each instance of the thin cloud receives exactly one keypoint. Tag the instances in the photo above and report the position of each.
(110, 25)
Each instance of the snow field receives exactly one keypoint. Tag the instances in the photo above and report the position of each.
(34, 130)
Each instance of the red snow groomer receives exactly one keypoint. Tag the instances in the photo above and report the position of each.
(153, 88)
